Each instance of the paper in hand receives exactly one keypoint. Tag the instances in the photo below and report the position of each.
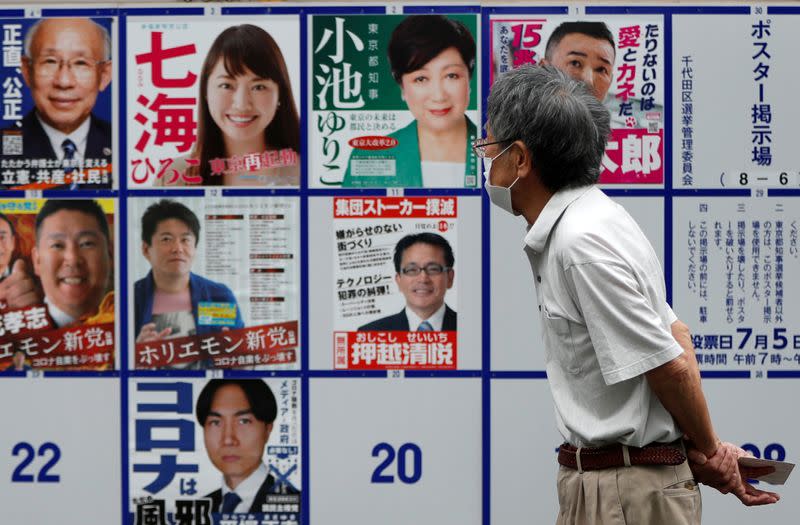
(779, 477)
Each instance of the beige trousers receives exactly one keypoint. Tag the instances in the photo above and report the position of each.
(637, 495)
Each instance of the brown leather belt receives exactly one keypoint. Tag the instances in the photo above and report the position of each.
(614, 456)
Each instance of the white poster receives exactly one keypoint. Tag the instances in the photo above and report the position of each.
(734, 108)
(732, 260)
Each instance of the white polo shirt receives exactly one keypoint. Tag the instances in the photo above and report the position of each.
(605, 320)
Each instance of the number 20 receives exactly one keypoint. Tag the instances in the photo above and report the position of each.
(44, 475)
(402, 472)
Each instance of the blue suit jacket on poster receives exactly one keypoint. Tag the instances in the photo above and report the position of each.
(201, 290)
(36, 144)
(268, 487)
(399, 321)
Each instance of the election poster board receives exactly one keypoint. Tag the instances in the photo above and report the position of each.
(362, 307)
(402, 463)
(66, 320)
(178, 465)
(59, 91)
(225, 297)
(733, 261)
(383, 117)
(60, 442)
(632, 73)
(702, 106)
(213, 101)
(734, 111)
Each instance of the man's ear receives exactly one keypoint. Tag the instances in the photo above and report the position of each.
(522, 158)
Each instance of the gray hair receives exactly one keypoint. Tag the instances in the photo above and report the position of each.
(31, 34)
(559, 120)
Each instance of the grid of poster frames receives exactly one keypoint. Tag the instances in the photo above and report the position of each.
(302, 153)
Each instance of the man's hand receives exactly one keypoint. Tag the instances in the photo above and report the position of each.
(19, 290)
(719, 470)
(149, 333)
(703, 471)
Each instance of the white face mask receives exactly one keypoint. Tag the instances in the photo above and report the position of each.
(499, 195)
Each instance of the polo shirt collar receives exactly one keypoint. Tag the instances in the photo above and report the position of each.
(540, 230)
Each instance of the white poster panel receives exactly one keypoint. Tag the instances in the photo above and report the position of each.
(732, 259)
(238, 276)
(368, 326)
(382, 452)
(523, 452)
(734, 108)
(60, 442)
(740, 416)
(248, 441)
(516, 333)
(213, 101)
(626, 76)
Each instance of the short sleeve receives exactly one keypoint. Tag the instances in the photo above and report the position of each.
(671, 317)
(627, 332)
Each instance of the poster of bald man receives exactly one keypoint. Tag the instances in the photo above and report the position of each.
(55, 80)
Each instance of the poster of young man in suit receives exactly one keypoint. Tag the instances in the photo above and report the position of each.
(214, 451)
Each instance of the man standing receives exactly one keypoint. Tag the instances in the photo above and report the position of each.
(237, 416)
(66, 63)
(169, 299)
(626, 391)
(585, 51)
(423, 263)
